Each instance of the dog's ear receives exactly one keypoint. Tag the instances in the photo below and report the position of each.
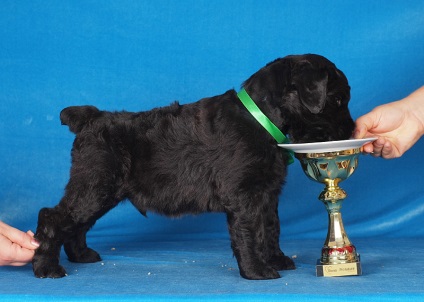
(311, 85)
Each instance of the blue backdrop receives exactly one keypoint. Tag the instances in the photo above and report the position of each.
(136, 55)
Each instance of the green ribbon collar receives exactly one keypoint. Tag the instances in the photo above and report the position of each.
(263, 120)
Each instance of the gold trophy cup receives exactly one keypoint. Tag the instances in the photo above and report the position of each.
(338, 255)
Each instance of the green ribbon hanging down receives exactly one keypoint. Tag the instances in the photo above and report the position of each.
(264, 120)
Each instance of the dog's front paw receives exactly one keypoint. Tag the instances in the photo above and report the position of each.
(50, 271)
(263, 273)
(282, 262)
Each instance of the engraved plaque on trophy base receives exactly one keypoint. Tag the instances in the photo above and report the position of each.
(338, 270)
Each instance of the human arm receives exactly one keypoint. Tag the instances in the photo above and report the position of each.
(398, 126)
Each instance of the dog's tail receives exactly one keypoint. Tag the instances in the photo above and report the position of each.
(78, 116)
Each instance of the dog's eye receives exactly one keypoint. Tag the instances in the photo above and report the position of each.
(338, 102)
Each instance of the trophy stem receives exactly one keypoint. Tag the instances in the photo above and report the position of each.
(338, 255)
(337, 247)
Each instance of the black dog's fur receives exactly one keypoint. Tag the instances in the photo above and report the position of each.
(209, 156)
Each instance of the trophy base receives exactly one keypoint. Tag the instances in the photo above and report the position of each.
(338, 270)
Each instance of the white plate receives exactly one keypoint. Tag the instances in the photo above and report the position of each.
(331, 146)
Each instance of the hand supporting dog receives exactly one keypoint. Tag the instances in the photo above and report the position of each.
(208, 156)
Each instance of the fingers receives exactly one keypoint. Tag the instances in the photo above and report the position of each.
(360, 131)
(368, 148)
(13, 254)
(363, 125)
(33, 241)
(380, 148)
(388, 151)
(16, 247)
(19, 256)
(377, 147)
(25, 240)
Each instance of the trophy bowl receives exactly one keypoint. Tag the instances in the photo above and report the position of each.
(330, 163)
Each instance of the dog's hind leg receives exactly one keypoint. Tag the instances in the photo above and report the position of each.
(90, 193)
(85, 207)
(76, 248)
(90, 207)
(67, 224)
(46, 259)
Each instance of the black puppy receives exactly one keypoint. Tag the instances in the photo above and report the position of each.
(209, 156)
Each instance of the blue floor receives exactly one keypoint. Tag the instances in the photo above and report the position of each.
(205, 270)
